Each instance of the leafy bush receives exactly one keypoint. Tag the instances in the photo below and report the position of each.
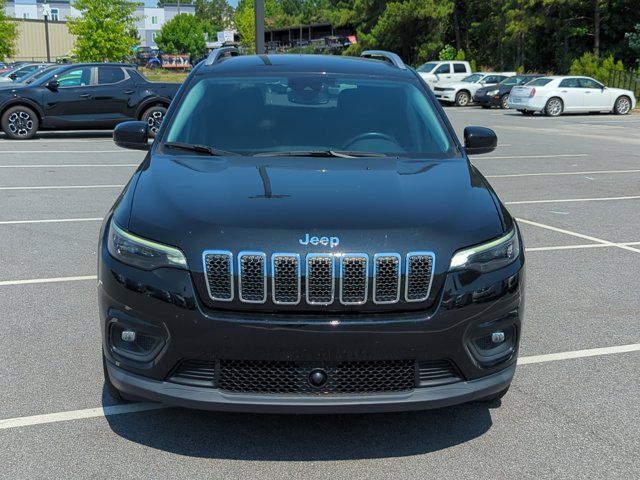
(591, 65)
(450, 53)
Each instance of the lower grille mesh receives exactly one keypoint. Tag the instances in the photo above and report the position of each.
(264, 377)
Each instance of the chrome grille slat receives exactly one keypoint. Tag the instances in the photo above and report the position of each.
(321, 278)
(320, 284)
(218, 268)
(386, 278)
(354, 278)
(419, 276)
(252, 277)
(285, 275)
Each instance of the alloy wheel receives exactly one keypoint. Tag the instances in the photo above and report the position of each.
(554, 107)
(623, 105)
(20, 123)
(505, 101)
(154, 120)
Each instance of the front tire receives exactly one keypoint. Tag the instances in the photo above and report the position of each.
(153, 117)
(504, 102)
(622, 105)
(554, 107)
(20, 123)
(462, 99)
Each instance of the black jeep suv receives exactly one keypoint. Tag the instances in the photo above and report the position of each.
(83, 96)
(307, 234)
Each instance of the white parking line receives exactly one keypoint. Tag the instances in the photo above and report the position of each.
(51, 220)
(61, 187)
(594, 172)
(577, 247)
(565, 200)
(592, 352)
(102, 412)
(579, 235)
(509, 157)
(30, 281)
(13, 152)
(78, 414)
(72, 165)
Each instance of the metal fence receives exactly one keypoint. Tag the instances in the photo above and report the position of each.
(627, 79)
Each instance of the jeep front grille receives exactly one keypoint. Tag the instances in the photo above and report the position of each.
(218, 267)
(320, 283)
(285, 274)
(320, 276)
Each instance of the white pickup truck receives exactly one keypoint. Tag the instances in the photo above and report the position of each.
(439, 72)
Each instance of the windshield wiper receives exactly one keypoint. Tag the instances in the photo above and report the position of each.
(320, 153)
(194, 147)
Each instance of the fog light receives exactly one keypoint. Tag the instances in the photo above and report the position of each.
(496, 337)
(129, 336)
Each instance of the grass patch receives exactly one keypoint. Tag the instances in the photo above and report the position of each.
(164, 75)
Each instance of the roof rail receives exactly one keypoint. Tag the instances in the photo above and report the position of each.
(385, 56)
(219, 53)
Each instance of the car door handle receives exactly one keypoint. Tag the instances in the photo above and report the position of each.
(85, 95)
(563, 91)
(587, 91)
(129, 92)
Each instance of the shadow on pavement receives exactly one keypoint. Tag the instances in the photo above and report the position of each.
(236, 436)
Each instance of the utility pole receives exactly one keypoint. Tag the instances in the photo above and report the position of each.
(46, 11)
(259, 20)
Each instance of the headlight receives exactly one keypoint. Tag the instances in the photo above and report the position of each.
(488, 256)
(493, 92)
(142, 253)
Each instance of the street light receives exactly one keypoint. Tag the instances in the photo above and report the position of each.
(259, 21)
(46, 11)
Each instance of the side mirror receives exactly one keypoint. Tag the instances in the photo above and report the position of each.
(53, 85)
(13, 76)
(133, 135)
(479, 140)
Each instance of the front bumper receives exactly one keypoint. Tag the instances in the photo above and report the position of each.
(212, 399)
(486, 100)
(164, 303)
(445, 96)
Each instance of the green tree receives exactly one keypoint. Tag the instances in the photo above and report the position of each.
(103, 30)
(184, 33)
(634, 41)
(244, 20)
(8, 33)
(590, 65)
(217, 13)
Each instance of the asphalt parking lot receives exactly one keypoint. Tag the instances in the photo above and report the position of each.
(573, 410)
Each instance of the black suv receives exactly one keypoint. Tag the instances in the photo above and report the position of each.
(498, 95)
(84, 96)
(324, 247)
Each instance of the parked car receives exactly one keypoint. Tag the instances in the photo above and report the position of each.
(84, 96)
(30, 78)
(16, 74)
(498, 95)
(267, 258)
(442, 72)
(461, 93)
(554, 96)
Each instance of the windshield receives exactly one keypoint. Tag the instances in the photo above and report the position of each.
(427, 67)
(254, 115)
(476, 77)
(513, 81)
(39, 74)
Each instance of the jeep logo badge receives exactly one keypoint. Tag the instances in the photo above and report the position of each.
(330, 241)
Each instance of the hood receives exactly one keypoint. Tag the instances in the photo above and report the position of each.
(269, 203)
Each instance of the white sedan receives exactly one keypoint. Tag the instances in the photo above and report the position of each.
(555, 95)
(461, 93)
